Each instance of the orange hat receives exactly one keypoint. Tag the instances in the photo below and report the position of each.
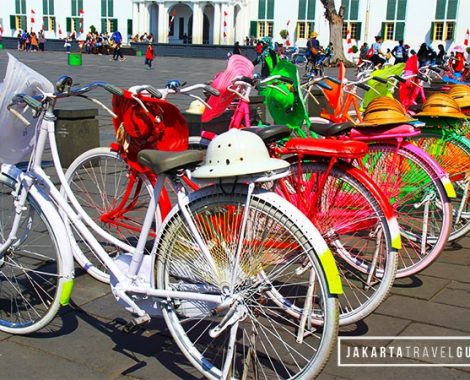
(384, 111)
(441, 105)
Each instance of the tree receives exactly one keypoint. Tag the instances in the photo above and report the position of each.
(335, 19)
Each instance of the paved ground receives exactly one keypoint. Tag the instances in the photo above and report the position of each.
(85, 342)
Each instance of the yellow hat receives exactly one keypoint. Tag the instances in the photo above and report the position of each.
(441, 105)
(313, 34)
(196, 108)
(384, 111)
(461, 94)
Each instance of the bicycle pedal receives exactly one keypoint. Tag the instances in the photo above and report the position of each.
(136, 324)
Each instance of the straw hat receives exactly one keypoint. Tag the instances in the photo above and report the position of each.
(461, 94)
(196, 108)
(384, 111)
(441, 105)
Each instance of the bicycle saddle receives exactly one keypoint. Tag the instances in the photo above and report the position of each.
(163, 161)
(329, 130)
(327, 148)
(271, 133)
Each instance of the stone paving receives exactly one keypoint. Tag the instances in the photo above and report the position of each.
(85, 341)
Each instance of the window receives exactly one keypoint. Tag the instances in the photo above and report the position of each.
(394, 27)
(18, 22)
(304, 29)
(443, 28)
(72, 24)
(77, 6)
(306, 17)
(107, 8)
(49, 23)
(109, 25)
(265, 28)
(20, 7)
(47, 7)
(351, 15)
(265, 23)
(129, 27)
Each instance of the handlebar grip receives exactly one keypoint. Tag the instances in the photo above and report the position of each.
(378, 79)
(113, 89)
(435, 69)
(246, 79)
(399, 78)
(334, 80)
(154, 92)
(363, 86)
(287, 80)
(324, 85)
(211, 90)
(422, 77)
(19, 116)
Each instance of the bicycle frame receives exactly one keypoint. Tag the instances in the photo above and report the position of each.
(134, 276)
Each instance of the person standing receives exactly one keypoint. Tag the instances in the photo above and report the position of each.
(42, 40)
(149, 55)
(441, 53)
(399, 52)
(236, 48)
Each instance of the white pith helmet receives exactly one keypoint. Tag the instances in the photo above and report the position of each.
(237, 153)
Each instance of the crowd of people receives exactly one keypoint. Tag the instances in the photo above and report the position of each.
(425, 55)
(31, 41)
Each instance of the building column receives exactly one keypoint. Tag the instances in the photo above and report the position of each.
(162, 23)
(197, 23)
(135, 18)
(216, 32)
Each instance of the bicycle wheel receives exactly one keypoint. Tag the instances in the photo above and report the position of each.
(277, 255)
(452, 153)
(356, 229)
(419, 198)
(31, 272)
(114, 198)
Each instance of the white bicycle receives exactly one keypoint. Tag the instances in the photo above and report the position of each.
(237, 272)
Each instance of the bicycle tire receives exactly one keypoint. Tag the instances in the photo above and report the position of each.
(99, 178)
(452, 153)
(180, 265)
(407, 188)
(31, 270)
(348, 215)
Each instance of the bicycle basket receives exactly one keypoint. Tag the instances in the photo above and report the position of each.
(161, 127)
(17, 139)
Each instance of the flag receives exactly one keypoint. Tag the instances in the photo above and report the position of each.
(348, 42)
(82, 12)
(287, 35)
(467, 37)
(225, 25)
(173, 15)
(60, 32)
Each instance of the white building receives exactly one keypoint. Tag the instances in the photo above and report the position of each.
(226, 21)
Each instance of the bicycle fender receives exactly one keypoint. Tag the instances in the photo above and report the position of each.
(441, 174)
(12, 174)
(381, 198)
